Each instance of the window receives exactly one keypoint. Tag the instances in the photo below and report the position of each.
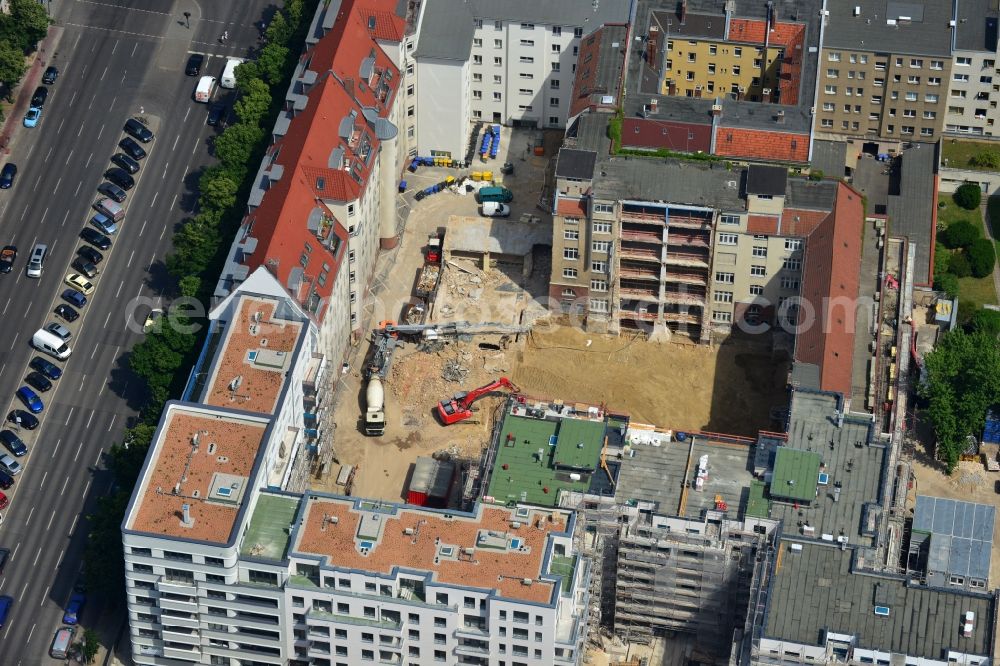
(527, 59)
(789, 283)
(147, 552)
(916, 63)
(600, 246)
(931, 98)
(498, 61)
(913, 80)
(556, 48)
(577, 33)
(830, 90)
(527, 26)
(826, 122)
(527, 42)
(553, 101)
(828, 106)
(926, 131)
(911, 97)
(722, 316)
(571, 234)
(906, 129)
(756, 289)
(598, 285)
(477, 94)
(497, 97)
(604, 208)
(833, 73)
(497, 79)
(554, 84)
(760, 250)
(599, 266)
(961, 78)
(725, 278)
(792, 264)
(723, 297)
(729, 219)
(713, 49)
(758, 270)
(556, 30)
(555, 67)
(524, 91)
(930, 115)
(728, 239)
(909, 113)
(553, 120)
(597, 305)
(526, 75)
(477, 60)
(833, 56)
(963, 61)
(476, 41)
(738, 51)
(571, 253)
(569, 273)
(934, 81)
(602, 227)
(792, 244)
(956, 580)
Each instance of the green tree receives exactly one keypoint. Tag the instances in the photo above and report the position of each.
(960, 234)
(235, 146)
(982, 257)
(947, 283)
(218, 189)
(293, 12)
(278, 31)
(11, 66)
(28, 24)
(125, 460)
(89, 644)
(189, 285)
(968, 196)
(986, 322)
(254, 102)
(272, 61)
(958, 265)
(986, 159)
(246, 72)
(962, 382)
(104, 566)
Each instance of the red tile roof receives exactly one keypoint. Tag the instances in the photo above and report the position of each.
(585, 91)
(669, 134)
(830, 280)
(767, 145)
(306, 152)
(572, 208)
(792, 222)
(389, 27)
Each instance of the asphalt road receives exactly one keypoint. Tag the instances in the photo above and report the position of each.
(115, 60)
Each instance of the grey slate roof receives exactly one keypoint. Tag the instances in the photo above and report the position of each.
(816, 195)
(815, 591)
(927, 33)
(708, 26)
(830, 157)
(961, 535)
(976, 29)
(577, 164)
(766, 180)
(812, 427)
(447, 26)
(911, 210)
(670, 181)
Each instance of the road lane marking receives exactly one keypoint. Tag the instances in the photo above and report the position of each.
(164, 176)
(23, 590)
(69, 156)
(134, 47)
(49, 526)
(98, 458)
(70, 415)
(58, 183)
(48, 155)
(73, 526)
(5, 312)
(113, 102)
(59, 559)
(185, 120)
(173, 202)
(41, 603)
(13, 341)
(85, 491)
(83, 382)
(37, 183)
(103, 73)
(153, 202)
(65, 215)
(111, 425)
(30, 148)
(15, 551)
(176, 139)
(3, 368)
(44, 476)
(100, 132)
(88, 160)
(30, 513)
(115, 47)
(78, 186)
(76, 43)
(90, 419)
(73, 98)
(163, 232)
(119, 292)
(106, 320)
(197, 145)
(143, 227)
(46, 212)
(37, 555)
(79, 131)
(129, 264)
(56, 450)
(60, 125)
(65, 481)
(91, 105)
(78, 452)
(93, 353)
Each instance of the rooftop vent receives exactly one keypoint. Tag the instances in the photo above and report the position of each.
(186, 519)
(236, 382)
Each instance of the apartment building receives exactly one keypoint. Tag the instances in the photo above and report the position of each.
(323, 203)
(512, 63)
(224, 568)
(972, 92)
(884, 71)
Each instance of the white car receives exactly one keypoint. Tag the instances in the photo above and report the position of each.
(495, 209)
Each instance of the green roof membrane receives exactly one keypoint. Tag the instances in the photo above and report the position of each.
(270, 527)
(521, 474)
(579, 444)
(795, 474)
(757, 504)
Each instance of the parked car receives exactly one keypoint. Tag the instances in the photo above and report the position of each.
(38, 381)
(7, 256)
(74, 607)
(136, 129)
(131, 148)
(120, 177)
(66, 313)
(12, 443)
(97, 239)
(74, 298)
(9, 465)
(125, 162)
(50, 75)
(59, 331)
(104, 223)
(41, 94)
(7, 175)
(80, 283)
(30, 400)
(32, 117)
(22, 419)
(6, 481)
(90, 254)
(86, 268)
(194, 64)
(46, 367)
(5, 602)
(112, 191)
(216, 114)
(495, 209)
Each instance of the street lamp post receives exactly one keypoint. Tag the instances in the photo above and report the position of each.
(187, 19)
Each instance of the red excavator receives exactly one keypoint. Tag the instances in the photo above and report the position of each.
(459, 407)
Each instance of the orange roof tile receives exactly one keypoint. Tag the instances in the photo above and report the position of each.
(262, 379)
(227, 445)
(487, 568)
(762, 144)
(831, 268)
(572, 207)
(388, 26)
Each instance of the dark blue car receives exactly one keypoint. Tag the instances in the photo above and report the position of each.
(73, 608)
(30, 399)
(5, 604)
(73, 297)
(50, 370)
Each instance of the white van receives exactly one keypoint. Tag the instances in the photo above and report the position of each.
(51, 344)
(110, 208)
(228, 79)
(37, 260)
(61, 643)
(206, 88)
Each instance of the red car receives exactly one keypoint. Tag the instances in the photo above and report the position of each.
(3, 501)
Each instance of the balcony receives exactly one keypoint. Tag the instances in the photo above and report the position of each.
(682, 298)
(686, 277)
(639, 272)
(690, 222)
(178, 634)
(686, 259)
(174, 604)
(333, 618)
(681, 318)
(688, 240)
(182, 586)
(640, 315)
(644, 236)
(639, 253)
(472, 650)
(639, 217)
(635, 293)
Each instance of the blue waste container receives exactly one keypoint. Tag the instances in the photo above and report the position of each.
(402, 186)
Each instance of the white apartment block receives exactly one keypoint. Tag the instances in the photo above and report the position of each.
(511, 63)
(974, 88)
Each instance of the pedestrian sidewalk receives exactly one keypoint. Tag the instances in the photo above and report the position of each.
(47, 54)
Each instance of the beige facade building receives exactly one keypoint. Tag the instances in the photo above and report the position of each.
(884, 71)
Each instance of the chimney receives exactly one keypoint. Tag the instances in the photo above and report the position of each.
(770, 15)
(684, 11)
(653, 104)
(186, 520)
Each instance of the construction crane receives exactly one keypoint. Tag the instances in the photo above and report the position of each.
(459, 407)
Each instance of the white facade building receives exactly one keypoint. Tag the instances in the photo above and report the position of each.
(511, 63)
(972, 95)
